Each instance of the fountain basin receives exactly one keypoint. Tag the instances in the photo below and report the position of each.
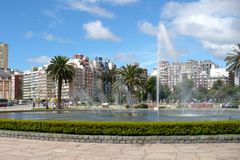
(127, 115)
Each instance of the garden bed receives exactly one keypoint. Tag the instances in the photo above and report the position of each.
(123, 128)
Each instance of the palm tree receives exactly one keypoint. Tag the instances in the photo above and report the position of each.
(59, 70)
(233, 60)
(108, 78)
(132, 77)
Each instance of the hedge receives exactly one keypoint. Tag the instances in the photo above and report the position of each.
(123, 128)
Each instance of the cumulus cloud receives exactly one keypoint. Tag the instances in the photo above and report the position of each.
(39, 60)
(121, 2)
(95, 7)
(147, 28)
(218, 50)
(96, 30)
(92, 8)
(215, 23)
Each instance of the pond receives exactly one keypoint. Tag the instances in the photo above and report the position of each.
(128, 115)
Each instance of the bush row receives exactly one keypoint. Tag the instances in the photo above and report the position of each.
(124, 128)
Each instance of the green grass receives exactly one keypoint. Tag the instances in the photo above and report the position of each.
(123, 128)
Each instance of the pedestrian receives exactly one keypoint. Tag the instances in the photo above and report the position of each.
(33, 103)
(46, 104)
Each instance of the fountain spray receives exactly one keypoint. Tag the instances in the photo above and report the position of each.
(158, 63)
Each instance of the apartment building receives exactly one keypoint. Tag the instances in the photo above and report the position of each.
(16, 81)
(5, 85)
(202, 73)
(3, 55)
(88, 84)
(37, 85)
(174, 75)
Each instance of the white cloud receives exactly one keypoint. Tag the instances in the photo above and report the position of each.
(84, 6)
(95, 7)
(114, 2)
(39, 60)
(147, 28)
(215, 23)
(28, 34)
(96, 30)
(121, 2)
(50, 37)
(218, 50)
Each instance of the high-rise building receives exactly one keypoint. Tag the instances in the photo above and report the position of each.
(37, 85)
(3, 56)
(5, 85)
(88, 84)
(16, 78)
(202, 73)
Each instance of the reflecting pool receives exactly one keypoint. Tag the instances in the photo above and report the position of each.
(128, 115)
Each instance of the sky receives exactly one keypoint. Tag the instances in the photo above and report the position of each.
(124, 31)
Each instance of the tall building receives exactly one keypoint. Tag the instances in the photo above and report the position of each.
(37, 85)
(3, 56)
(173, 74)
(16, 78)
(202, 73)
(5, 85)
(88, 84)
(163, 74)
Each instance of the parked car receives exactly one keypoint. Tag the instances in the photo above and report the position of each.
(229, 105)
(10, 103)
(22, 102)
(3, 102)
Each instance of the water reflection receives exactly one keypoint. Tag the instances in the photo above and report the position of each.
(127, 115)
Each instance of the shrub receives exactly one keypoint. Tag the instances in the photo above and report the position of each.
(141, 106)
(124, 128)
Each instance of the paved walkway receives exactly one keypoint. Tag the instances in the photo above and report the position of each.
(16, 108)
(23, 149)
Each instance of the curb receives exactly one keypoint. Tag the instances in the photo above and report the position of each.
(121, 139)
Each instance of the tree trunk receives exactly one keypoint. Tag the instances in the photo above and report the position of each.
(59, 93)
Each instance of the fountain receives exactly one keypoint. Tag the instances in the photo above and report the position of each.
(158, 67)
(125, 115)
(97, 114)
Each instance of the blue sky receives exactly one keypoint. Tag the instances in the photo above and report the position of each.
(124, 31)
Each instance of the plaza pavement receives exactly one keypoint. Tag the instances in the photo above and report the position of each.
(24, 149)
(16, 108)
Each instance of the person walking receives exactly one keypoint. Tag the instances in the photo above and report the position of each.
(33, 104)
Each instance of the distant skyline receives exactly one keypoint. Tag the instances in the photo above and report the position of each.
(123, 31)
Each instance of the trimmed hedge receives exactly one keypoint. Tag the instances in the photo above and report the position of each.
(124, 128)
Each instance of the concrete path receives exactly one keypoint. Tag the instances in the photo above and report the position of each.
(23, 149)
(16, 108)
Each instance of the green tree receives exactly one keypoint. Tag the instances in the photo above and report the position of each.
(59, 70)
(201, 94)
(151, 87)
(233, 60)
(108, 78)
(132, 77)
(186, 88)
(164, 92)
(217, 84)
(175, 94)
